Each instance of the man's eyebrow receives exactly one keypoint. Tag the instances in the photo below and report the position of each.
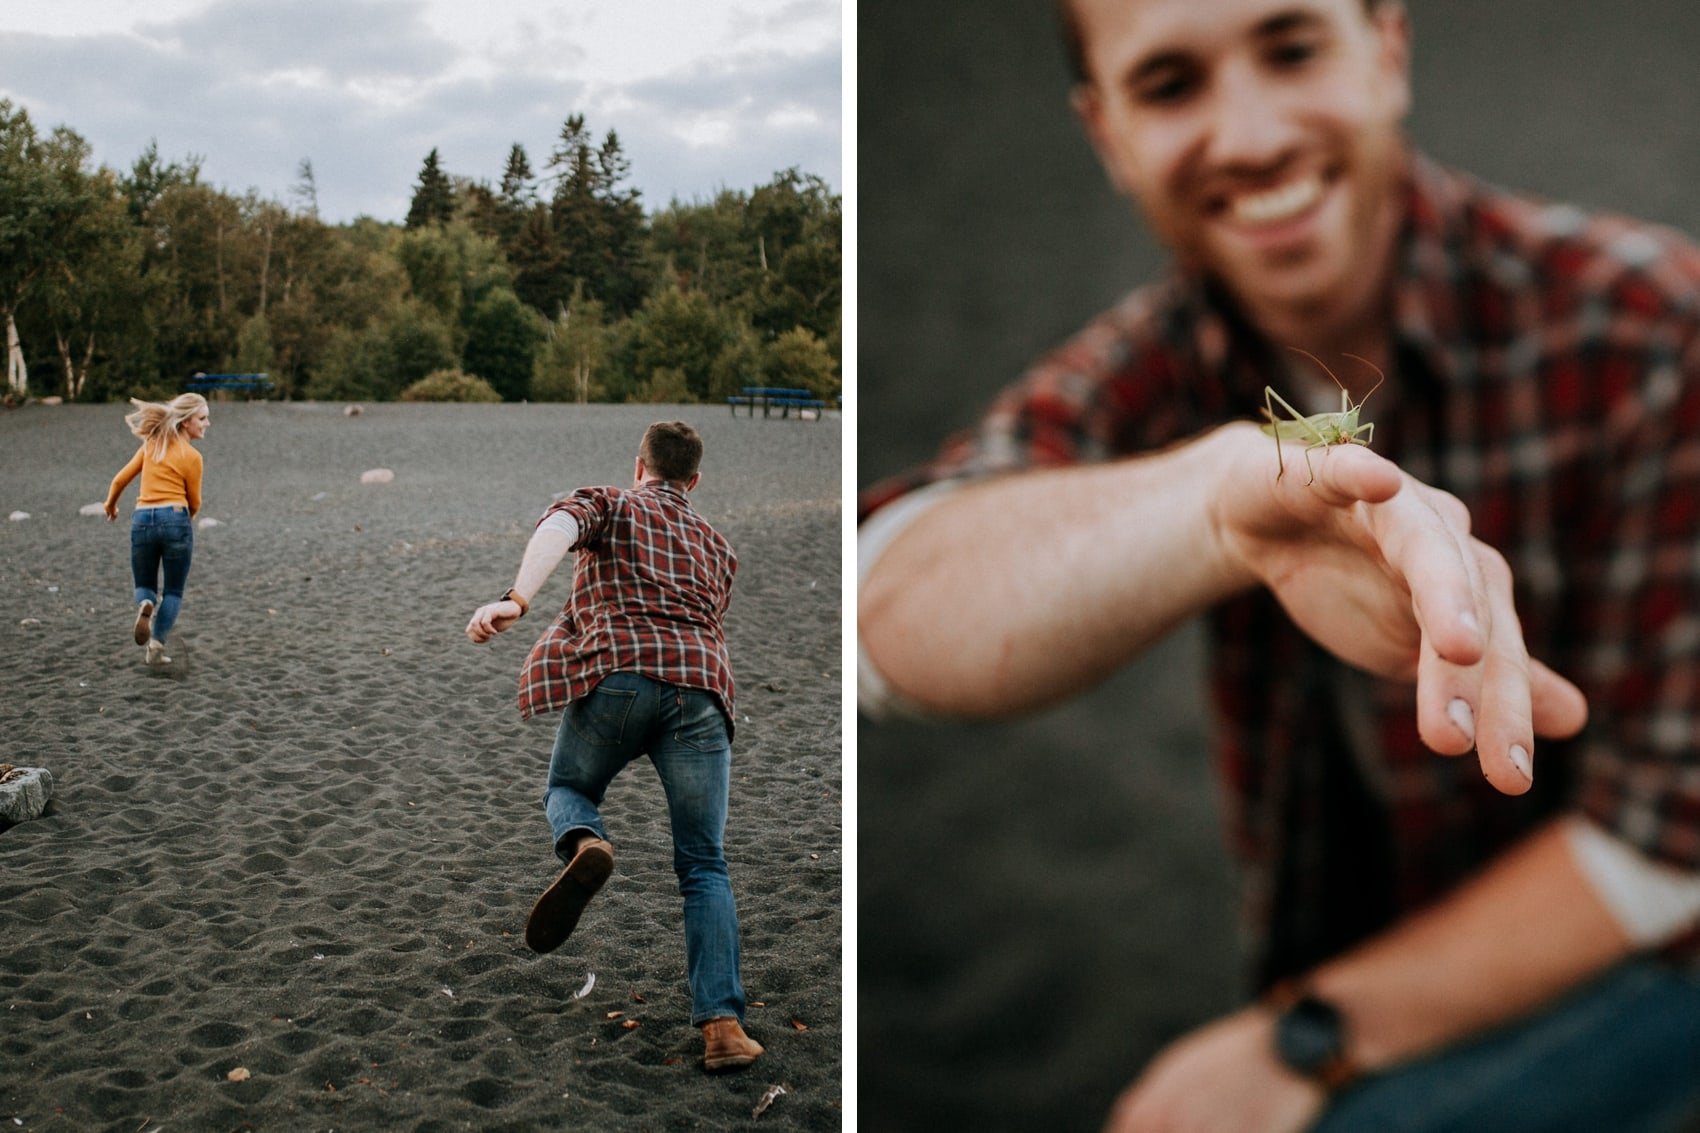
(1285, 22)
(1281, 23)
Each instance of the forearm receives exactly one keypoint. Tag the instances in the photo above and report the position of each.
(122, 480)
(1528, 929)
(1010, 594)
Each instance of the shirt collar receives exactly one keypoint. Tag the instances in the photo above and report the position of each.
(662, 486)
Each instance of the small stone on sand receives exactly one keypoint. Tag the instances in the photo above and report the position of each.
(24, 793)
(377, 476)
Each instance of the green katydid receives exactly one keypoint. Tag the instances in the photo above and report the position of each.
(1320, 429)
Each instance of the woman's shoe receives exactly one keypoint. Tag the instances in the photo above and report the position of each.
(144, 623)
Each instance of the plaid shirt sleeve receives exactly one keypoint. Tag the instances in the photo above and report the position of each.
(1122, 385)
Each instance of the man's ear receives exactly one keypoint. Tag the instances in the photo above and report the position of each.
(1393, 29)
(696, 478)
(1088, 105)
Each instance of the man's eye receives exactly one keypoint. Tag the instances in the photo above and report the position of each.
(1165, 90)
(1293, 54)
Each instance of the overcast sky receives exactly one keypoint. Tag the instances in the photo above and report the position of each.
(704, 94)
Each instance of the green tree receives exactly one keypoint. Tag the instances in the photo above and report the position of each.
(707, 247)
(90, 302)
(44, 197)
(385, 357)
(150, 176)
(599, 223)
(571, 363)
(738, 365)
(202, 275)
(684, 331)
(666, 385)
(502, 340)
(254, 351)
(433, 197)
(306, 188)
(798, 358)
(451, 385)
(451, 267)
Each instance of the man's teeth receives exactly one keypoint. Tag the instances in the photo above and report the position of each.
(1277, 204)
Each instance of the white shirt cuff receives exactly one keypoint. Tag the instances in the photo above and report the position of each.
(1652, 901)
(875, 698)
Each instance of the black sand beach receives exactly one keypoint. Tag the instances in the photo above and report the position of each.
(305, 850)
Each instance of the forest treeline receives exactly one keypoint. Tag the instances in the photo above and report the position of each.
(548, 284)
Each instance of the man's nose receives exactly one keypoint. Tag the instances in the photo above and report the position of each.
(1250, 123)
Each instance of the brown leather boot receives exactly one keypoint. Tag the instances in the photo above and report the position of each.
(726, 1046)
(556, 913)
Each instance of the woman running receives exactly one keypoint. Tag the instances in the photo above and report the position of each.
(161, 535)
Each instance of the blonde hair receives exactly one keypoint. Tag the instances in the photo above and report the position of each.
(160, 426)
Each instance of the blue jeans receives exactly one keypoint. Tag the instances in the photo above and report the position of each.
(684, 734)
(161, 537)
(1622, 1055)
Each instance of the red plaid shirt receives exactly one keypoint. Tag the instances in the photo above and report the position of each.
(650, 589)
(1547, 372)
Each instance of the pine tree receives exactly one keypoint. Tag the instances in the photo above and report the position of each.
(433, 197)
(517, 190)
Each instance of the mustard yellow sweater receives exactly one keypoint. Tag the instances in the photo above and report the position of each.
(174, 480)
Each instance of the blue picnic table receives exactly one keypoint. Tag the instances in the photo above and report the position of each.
(781, 398)
(212, 383)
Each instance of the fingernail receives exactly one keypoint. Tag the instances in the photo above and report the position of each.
(1470, 622)
(1459, 713)
(1520, 760)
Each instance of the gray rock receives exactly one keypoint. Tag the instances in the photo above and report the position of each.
(24, 794)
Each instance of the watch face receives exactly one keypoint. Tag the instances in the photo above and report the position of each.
(1307, 1035)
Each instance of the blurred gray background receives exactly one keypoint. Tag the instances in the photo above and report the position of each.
(1044, 903)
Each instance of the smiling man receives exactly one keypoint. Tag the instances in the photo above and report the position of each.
(1442, 947)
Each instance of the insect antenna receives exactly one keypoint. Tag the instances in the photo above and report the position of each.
(1379, 376)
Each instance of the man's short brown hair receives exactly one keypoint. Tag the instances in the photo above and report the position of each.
(671, 450)
(1075, 48)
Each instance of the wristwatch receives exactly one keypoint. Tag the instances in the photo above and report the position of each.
(508, 595)
(1310, 1036)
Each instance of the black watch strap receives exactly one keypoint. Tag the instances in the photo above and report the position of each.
(1310, 1036)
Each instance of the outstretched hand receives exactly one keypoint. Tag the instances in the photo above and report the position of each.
(492, 618)
(1381, 570)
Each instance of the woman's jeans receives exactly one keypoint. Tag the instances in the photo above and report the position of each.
(1620, 1055)
(161, 538)
(684, 734)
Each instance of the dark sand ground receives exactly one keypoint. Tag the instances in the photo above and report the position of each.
(307, 848)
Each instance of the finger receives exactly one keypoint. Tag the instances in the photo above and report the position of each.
(1558, 707)
(1446, 696)
(1346, 474)
(1438, 565)
(1505, 732)
(1122, 1114)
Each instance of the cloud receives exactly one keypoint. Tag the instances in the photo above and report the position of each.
(366, 90)
(377, 39)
